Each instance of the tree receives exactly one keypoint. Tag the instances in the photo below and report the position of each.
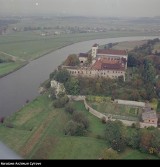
(132, 60)
(115, 135)
(133, 138)
(109, 154)
(61, 102)
(71, 128)
(72, 86)
(61, 75)
(145, 140)
(158, 106)
(69, 108)
(52, 93)
(155, 142)
(72, 60)
(148, 73)
(74, 129)
(81, 118)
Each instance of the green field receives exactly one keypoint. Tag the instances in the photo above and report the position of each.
(130, 154)
(37, 132)
(128, 45)
(6, 68)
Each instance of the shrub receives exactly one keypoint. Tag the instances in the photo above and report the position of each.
(81, 118)
(61, 102)
(74, 129)
(103, 119)
(69, 108)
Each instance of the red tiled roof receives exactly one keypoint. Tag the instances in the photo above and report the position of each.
(112, 52)
(106, 64)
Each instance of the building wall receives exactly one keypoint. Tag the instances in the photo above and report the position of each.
(151, 120)
(82, 59)
(113, 56)
(94, 51)
(113, 74)
(130, 103)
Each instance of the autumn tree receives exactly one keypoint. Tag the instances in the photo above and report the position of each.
(72, 60)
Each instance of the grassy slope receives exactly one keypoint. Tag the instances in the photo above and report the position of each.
(47, 140)
(38, 134)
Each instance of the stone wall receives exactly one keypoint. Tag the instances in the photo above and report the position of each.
(76, 98)
(109, 116)
(130, 103)
(145, 125)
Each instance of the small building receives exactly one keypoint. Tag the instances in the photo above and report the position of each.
(83, 57)
(149, 116)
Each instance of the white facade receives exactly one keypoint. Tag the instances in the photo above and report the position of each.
(94, 51)
(82, 59)
(113, 74)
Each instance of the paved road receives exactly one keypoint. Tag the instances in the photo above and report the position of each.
(7, 153)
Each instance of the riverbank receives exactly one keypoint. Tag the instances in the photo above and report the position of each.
(23, 84)
(34, 47)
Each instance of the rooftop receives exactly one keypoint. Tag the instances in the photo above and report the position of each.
(149, 114)
(108, 64)
(112, 52)
(83, 55)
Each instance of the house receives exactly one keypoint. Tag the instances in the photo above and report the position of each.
(149, 116)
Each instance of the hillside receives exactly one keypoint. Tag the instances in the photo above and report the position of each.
(37, 132)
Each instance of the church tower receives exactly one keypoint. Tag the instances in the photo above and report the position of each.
(94, 50)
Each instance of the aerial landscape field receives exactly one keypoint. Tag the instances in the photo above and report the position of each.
(101, 101)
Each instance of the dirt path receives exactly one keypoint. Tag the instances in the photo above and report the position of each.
(34, 139)
(14, 58)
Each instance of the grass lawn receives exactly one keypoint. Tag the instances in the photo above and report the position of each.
(38, 133)
(135, 154)
(6, 68)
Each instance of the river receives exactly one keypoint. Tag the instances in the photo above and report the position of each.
(23, 84)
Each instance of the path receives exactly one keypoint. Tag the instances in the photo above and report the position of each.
(14, 58)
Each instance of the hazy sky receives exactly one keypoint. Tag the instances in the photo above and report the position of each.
(127, 8)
